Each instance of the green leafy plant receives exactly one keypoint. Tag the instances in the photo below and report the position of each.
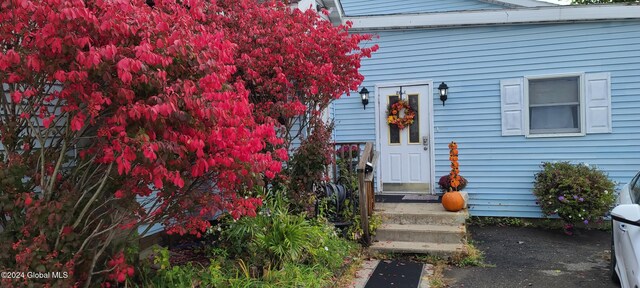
(330, 250)
(295, 275)
(287, 239)
(355, 230)
(574, 192)
(327, 209)
(276, 237)
(276, 248)
(187, 275)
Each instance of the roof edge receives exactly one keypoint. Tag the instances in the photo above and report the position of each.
(520, 3)
(552, 14)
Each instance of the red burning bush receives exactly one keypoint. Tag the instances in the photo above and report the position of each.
(110, 102)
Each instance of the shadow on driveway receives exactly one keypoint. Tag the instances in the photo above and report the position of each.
(533, 257)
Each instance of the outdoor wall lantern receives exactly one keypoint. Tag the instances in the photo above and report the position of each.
(443, 92)
(364, 94)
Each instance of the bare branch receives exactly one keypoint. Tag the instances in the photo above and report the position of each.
(94, 197)
(95, 258)
(52, 179)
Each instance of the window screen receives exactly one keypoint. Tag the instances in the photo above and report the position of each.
(554, 105)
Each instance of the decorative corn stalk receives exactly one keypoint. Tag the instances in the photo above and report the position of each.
(454, 175)
(453, 200)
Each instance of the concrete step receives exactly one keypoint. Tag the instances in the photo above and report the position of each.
(446, 234)
(438, 249)
(419, 213)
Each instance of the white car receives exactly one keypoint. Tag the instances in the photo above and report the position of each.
(625, 239)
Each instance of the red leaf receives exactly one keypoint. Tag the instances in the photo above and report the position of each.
(78, 122)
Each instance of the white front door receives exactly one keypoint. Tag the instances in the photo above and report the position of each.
(405, 153)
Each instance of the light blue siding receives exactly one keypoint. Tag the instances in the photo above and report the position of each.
(472, 61)
(156, 228)
(377, 7)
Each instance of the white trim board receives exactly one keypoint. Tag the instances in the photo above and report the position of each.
(551, 14)
(336, 13)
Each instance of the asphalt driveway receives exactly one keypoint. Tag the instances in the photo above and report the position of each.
(534, 257)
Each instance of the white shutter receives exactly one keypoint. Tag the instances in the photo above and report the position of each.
(512, 98)
(598, 102)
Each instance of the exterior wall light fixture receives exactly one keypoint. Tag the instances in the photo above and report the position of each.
(364, 95)
(444, 89)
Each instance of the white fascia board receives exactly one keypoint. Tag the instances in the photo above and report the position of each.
(336, 14)
(496, 17)
(520, 3)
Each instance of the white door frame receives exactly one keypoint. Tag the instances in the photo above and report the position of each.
(378, 124)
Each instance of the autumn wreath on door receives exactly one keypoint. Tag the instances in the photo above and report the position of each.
(400, 114)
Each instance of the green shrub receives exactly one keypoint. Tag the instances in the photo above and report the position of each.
(287, 239)
(575, 193)
(277, 248)
(188, 275)
(276, 237)
(308, 165)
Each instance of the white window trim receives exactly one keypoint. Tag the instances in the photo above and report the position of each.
(582, 110)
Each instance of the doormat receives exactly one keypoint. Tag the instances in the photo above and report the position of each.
(396, 273)
(407, 198)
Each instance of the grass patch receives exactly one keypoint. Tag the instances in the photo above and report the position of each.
(471, 256)
(349, 273)
(546, 223)
(384, 255)
(428, 258)
(437, 280)
(498, 221)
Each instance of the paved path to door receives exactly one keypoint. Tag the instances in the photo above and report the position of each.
(531, 257)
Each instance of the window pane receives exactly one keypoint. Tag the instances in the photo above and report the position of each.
(554, 119)
(414, 129)
(394, 132)
(550, 91)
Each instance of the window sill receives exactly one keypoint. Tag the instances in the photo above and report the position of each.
(555, 135)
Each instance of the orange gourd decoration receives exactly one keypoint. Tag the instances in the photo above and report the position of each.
(453, 200)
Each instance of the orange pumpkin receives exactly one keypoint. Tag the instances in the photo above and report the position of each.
(452, 201)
